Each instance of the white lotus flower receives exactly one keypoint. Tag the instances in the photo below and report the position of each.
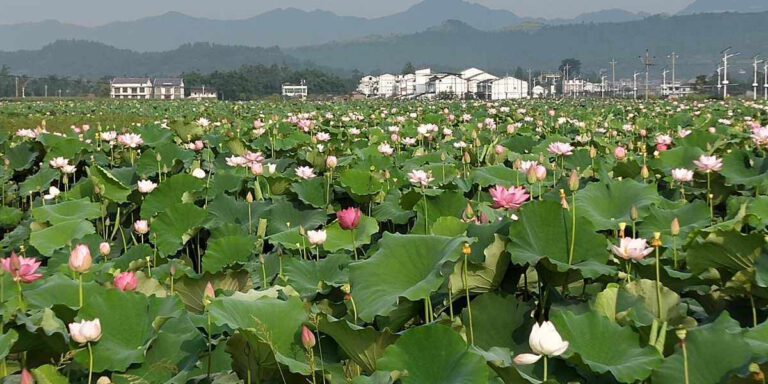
(420, 178)
(385, 149)
(146, 186)
(198, 173)
(317, 237)
(682, 175)
(53, 193)
(85, 331)
(544, 341)
(305, 173)
(58, 162)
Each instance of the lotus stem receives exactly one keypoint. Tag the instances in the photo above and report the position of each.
(80, 289)
(465, 281)
(450, 301)
(22, 304)
(90, 363)
(426, 213)
(546, 368)
(658, 282)
(685, 362)
(754, 310)
(710, 198)
(354, 309)
(210, 345)
(674, 251)
(354, 243)
(573, 231)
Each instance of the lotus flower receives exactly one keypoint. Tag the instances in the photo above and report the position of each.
(349, 218)
(511, 199)
(21, 269)
(85, 331)
(331, 162)
(198, 173)
(307, 338)
(80, 259)
(385, 149)
(126, 281)
(560, 149)
(130, 140)
(632, 249)
(682, 175)
(544, 341)
(141, 227)
(708, 164)
(620, 153)
(760, 136)
(526, 165)
(305, 173)
(58, 162)
(26, 377)
(317, 237)
(68, 169)
(53, 193)
(146, 186)
(420, 178)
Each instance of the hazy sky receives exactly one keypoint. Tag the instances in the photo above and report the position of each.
(94, 12)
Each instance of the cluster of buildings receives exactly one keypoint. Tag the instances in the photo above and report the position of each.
(472, 83)
(158, 88)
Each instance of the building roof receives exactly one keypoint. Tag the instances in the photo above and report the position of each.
(130, 80)
(201, 89)
(169, 81)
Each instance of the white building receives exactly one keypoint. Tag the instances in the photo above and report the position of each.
(298, 91)
(130, 88)
(539, 92)
(201, 93)
(406, 85)
(368, 85)
(168, 88)
(447, 84)
(474, 77)
(387, 85)
(505, 88)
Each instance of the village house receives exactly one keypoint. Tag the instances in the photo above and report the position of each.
(168, 88)
(130, 88)
(296, 91)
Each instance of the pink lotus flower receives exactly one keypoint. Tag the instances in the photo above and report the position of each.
(126, 281)
(560, 149)
(708, 164)
(58, 162)
(26, 377)
(80, 259)
(331, 162)
(420, 178)
(105, 249)
(130, 140)
(21, 269)
(196, 146)
(349, 218)
(632, 249)
(511, 199)
(682, 175)
(620, 153)
(85, 331)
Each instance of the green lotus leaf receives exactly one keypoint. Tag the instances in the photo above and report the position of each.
(605, 346)
(361, 182)
(450, 361)
(364, 345)
(170, 154)
(179, 188)
(175, 226)
(311, 191)
(265, 320)
(191, 290)
(680, 157)
(10, 216)
(49, 239)
(728, 251)
(608, 204)
(391, 210)
(228, 245)
(109, 185)
(6, 342)
(129, 322)
(312, 277)
(496, 175)
(429, 209)
(483, 277)
(691, 216)
(283, 216)
(544, 230)
(339, 239)
(38, 182)
(495, 318)
(741, 168)
(409, 266)
(714, 351)
(20, 156)
(82, 209)
(48, 374)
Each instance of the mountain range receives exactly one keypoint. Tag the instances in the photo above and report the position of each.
(293, 28)
(450, 46)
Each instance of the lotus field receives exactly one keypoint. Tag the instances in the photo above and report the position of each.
(375, 243)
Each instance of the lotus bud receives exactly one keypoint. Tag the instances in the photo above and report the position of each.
(675, 227)
(467, 159)
(681, 333)
(331, 162)
(633, 213)
(531, 176)
(307, 338)
(208, 294)
(85, 332)
(105, 249)
(141, 227)
(126, 281)
(249, 198)
(104, 380)
(466, 250)
(563, 200)
(80, 259)
(346, 288)
(26, 377)
(644, 172)
(517, 164)
(573, 182)
(622, 228)
(592, 152)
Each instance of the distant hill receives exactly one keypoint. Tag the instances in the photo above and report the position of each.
(95, 60)
(718, 6)
(698, 39)
(282, 27)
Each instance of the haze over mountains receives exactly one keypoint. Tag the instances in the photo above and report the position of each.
(293, 27)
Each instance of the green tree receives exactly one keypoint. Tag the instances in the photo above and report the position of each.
(408, 68)
(573, 65)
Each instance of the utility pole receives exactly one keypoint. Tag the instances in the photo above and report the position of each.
(648, 63)
(664, 82)
(674, 58)
(719, 81)
(17, 86)
(726, 56)
(46, 91)
(765, 80)
(754, 83)
(566, 67)
(613, 63)
(602, 86)
(530, 83)
(634, 87)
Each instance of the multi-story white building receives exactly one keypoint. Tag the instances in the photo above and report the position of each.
(171, 88)
(447, 84)
(387, 85)
(130, 88)
(369, 85)
(474, 77)
(503, 89)
(298, 91)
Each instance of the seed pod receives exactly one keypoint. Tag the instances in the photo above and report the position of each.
(675, 227)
